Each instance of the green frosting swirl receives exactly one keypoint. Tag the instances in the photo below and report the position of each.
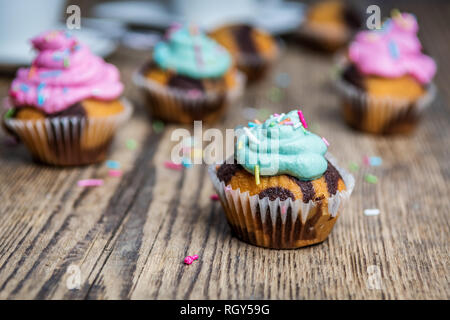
(192, 54)
(281, 149)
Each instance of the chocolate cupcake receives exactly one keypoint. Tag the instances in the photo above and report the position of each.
(330, 24)
(66, 107)
(281, 190)
(385, 79)
(253, 49)
(189, 77)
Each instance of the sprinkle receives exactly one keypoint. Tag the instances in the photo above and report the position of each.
(283, 209)
(187, 163)
(131, 144)
(49, 74)
(228, 188)
(31, 72)
(375, 161)
(24, 87)
(275, 94)
(272, 124)
(112, 164)
(66, 62)
(172, 165)
(276, 115)
(257, 121)
(65, 90)
(251, 124)
(115, 173)
(302, 119)
(214, 197)
(96, 91)
(370, 178)
(366, 160)
(371, 212)
(158, 126)
(9, 113)
(297, 125)
(190, 259)
(289, 123)
(326, 141)
(250, 135)
(257, 174)
(279, 117)
(240, 145)
(282, 80)
(393, 49)
(285, 120)
(353, 166)
(263, 113)
(90, 183)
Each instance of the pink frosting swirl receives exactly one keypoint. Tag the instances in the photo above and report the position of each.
(393, 51)
(63, 73)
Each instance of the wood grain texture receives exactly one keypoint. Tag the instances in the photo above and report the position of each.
(130, 236)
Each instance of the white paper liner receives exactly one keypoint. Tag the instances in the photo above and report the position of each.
(69, 140)
(379, 112)
(244, 207)
(175, 104)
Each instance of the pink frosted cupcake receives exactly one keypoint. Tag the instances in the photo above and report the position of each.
(66, 107)
(386, 79)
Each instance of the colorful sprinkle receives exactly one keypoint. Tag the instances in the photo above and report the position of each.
(158, 126)
(214, 197)
(66, 62)
(49, 74)
(375, 161)
(172, 165)
(275, 94)
(283, 209)
(283, 80)
(113, 164)
(131, 144)
(115, 173)
(393, 49)
(326, 141)
(366, 160)
(370, 178)
(24, 87)
(353, 166)
(240, 145)
(190, 259)
(186, 162)
(302, 119)
(228, 188)
(250, 135)
(90, 183)
(257, 175)
(257, 121)
(9, 113)
(371, 212)
(251, 124)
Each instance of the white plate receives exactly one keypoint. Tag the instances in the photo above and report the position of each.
(276, 17)
(13, 56)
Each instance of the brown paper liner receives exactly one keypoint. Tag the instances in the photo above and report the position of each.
(69, 141)
(174, 105)
(381, 115)
(279, 224)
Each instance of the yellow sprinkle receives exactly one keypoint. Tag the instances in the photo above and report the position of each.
(257, 175)
(240, 145)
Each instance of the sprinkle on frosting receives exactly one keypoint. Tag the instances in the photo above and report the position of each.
(393, 51)
(191, 53)
(63, 73)
(281, 148)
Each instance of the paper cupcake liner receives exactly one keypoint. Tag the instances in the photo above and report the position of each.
(381, 115)
(69, 141)
(176, 105)
(283, 224)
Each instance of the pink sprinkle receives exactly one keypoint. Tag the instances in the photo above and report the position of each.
(188, 260)
(214, 197)
(228, 188)
(90, 183)
(289, 123)
(302, 119)
(283, 209)
(366, 160)
(172, 165)
(115, 173)
(276, 115)
(326, 141)
(195, 257)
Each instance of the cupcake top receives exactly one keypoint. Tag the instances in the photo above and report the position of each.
(191, 53)
(393, 51)
(281, 145)
(63, 73)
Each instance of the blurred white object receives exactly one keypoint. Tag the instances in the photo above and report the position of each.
(275, 16)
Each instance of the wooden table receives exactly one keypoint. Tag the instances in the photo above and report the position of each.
(129, 237)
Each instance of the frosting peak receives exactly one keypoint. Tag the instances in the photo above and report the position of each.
(191, 53)
(393, 51)
(281, 145)
(63, 73)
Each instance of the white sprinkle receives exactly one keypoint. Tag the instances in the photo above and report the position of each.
(250, 135)
(297, 125)
(371, 212)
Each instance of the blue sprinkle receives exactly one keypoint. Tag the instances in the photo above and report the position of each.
(283, 80)
(186, 163)
(41, 100)
(393, 49)
(112, 164)
(65, 90)
(251, 124)
(41, 86)
(375, 161)
(49, 74)
(24, 87)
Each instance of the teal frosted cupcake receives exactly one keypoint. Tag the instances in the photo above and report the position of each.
(189, 77)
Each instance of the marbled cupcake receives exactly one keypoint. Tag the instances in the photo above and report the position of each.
(189, 77)
(281, 190)
(65, 108)
(385, 82)
(253, 49)
(330, 24)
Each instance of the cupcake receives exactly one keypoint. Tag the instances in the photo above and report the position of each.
(66, 107)
(189, 77)
(253, 49)
(385, 80)
(330, 24)
(281, 190)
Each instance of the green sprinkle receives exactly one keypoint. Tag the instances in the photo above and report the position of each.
(263, 113)
(66, 62)
(131, 144)
(158, 126)
(271, 124)
(275, 94)
(353, 166)
(370, 178)
(10, 113)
